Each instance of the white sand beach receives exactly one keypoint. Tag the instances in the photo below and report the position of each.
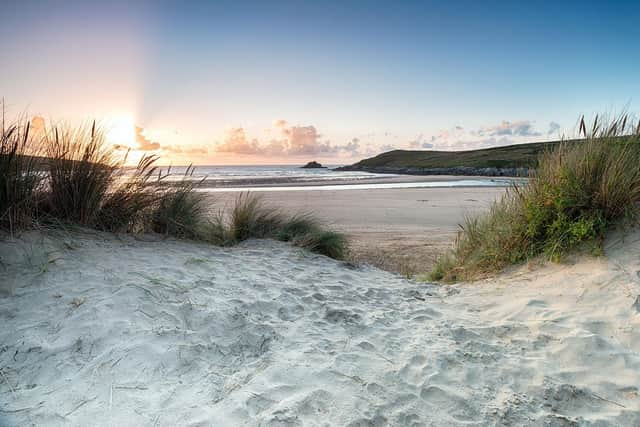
(116, 330)
(401, 230)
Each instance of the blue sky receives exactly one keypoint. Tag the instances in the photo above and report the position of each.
(265, 82)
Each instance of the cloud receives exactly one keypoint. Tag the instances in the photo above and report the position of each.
(553, 128)
(37, 124)
(236, 142)
(280, 123)
(289, 140)
(352, 146)
(421, 142)
(304, 140)
(519, 128)
(176, 149)
(388, 147)
(145, 144)
(505, 133)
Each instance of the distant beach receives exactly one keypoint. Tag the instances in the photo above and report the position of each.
(397, 222)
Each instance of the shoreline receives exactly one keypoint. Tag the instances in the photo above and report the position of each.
(514, 172)
(242, 183)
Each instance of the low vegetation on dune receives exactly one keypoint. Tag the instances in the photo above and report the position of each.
(250, 218)
(179, 210)
(577, 194)
(70, 176)
(129, 204)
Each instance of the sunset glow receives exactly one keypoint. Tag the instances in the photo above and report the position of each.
(218, 83)
(120, 131)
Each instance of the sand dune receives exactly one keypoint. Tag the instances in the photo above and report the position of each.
(101, 330)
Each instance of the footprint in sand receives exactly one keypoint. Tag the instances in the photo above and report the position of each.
(342, 316)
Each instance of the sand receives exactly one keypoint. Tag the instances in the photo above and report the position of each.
(106, 330)
(401, 230)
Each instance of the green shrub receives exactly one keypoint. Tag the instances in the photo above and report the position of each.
(579, 191)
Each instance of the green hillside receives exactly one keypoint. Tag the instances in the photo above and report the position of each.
(512, 156)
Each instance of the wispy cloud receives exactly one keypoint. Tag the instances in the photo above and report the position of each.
(553, 128)
(145, 144)
(518, 128)
(505, 133)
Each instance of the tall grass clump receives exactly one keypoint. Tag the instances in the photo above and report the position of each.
(129, 204)
(20, 177)
(82, 171)
(297, 226)
(250, 218)
(180, 211)
(89, 186)
(325, 242)
(307, 232)
(580, 190)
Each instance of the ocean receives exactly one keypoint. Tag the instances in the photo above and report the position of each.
(295, 178)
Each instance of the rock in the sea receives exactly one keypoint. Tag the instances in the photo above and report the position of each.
(313, 165)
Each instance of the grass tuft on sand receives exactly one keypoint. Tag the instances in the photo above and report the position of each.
(578, 193)
(251, 218)
(179, 211)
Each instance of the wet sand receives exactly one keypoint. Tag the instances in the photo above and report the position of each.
(402, 230)
(257, 182)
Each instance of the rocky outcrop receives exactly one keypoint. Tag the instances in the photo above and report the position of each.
(313, 165)
(460, 170)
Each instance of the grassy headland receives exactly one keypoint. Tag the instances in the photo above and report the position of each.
(512, 160)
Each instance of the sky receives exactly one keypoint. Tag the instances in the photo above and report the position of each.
(274, 82)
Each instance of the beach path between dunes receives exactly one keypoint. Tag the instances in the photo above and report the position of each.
(104, 330)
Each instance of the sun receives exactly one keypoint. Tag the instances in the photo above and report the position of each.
(120, 130)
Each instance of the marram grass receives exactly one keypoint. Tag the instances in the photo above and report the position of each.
(578, 193)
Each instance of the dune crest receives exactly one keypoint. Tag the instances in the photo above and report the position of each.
(100, 329)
